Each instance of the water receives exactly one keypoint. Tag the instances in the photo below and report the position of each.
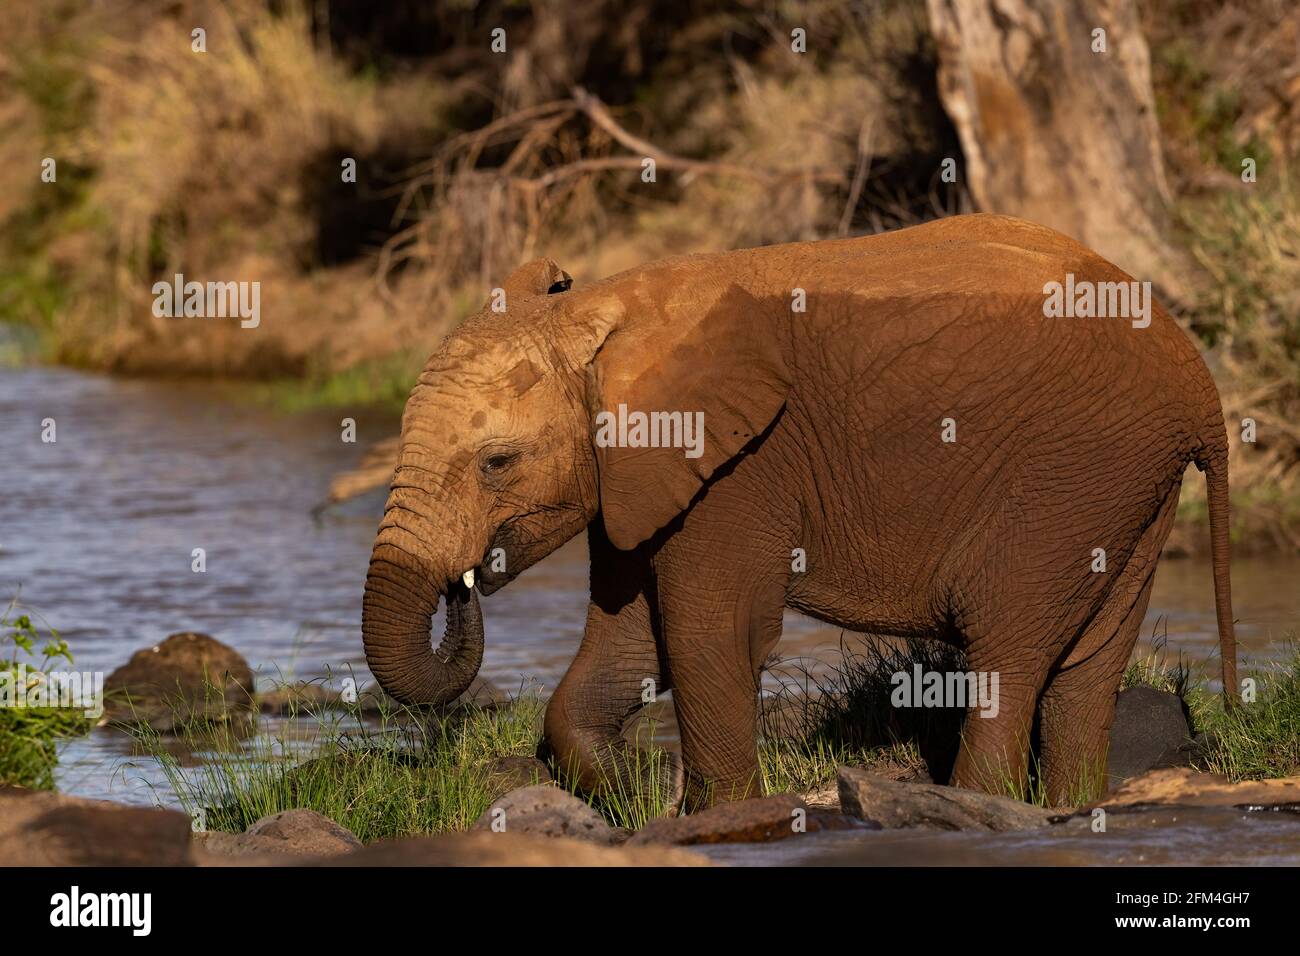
(1185, 836)
(98, 530)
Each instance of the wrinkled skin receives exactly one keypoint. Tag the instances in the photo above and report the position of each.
(822, 432)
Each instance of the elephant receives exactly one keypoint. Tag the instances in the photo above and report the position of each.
(943, 456)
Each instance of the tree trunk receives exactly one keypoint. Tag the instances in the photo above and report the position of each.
(1057, 133)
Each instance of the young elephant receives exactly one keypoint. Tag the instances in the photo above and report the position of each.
(951, 461)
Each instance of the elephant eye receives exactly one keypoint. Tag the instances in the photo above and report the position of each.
(498, 462)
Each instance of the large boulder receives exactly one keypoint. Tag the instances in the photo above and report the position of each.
(297, 832)
(509, 849)
(1150, 731)
(187, 679)
(545, 810)
(39, 828)
(826, 795)
(897, 805)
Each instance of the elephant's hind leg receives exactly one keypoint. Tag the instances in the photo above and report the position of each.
(1078, 703)
(994, 751)
(1015, 629)
(617, 663)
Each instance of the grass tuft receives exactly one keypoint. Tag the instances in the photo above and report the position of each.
(1259, 739)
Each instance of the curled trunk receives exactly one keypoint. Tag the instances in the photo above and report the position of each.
(396, 615)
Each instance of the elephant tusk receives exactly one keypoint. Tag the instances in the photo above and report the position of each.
(468, 578)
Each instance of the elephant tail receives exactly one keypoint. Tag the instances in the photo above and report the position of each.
(1213, 461)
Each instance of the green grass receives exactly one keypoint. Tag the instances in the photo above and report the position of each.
(380, 383)
(847, 717)
(1259, 739)
(1254, 740)
(626, 805)
(1157, 668)
(29, 744)
(29, 735)
(407, 773)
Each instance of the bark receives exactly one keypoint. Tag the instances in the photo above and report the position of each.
(1056, 133)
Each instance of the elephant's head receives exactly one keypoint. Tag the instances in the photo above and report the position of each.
(498, 464)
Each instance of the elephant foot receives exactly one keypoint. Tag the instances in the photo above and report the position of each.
(674, 782)
(621, 771)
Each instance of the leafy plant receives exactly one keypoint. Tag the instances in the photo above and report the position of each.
(28, 735)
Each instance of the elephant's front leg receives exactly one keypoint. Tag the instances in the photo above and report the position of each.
(721, 609)
(607, 682)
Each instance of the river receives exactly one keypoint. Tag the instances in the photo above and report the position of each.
(98, 529)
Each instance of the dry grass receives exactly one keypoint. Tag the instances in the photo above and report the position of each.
(215, 165)
(1227, 81)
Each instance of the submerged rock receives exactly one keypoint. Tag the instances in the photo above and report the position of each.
(1150, 731)
(187, 679)
(902, 805)
(548, 811)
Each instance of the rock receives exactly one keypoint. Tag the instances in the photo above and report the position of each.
(509, 849)
(514, 773)
(902, 805)
(188, 678)
(1150, 731)
(1182, 786)
(1200, 749)
(546, 810)
(299, 699)
(39, 828)
(298, 832)
(823, 797)
(760, 820)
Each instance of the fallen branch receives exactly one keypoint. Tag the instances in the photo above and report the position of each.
(595, 110)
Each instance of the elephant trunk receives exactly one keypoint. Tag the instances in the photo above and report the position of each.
(400, 600)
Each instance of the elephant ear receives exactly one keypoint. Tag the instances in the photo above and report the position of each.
(539, 277)
(724, 369)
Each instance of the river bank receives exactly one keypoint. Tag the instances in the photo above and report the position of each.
(357, 780)
(100, 529)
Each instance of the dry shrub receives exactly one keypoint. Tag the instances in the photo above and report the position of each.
(1227, 78)
(752, 147)
(205, 164)
(1250, 245)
